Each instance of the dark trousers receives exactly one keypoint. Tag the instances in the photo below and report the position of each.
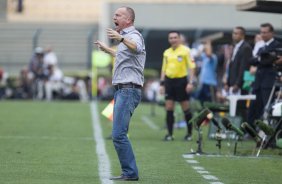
(206, 93)
(257, 106)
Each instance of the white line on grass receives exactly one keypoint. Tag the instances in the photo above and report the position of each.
(197, 168)
(150, 123)
(210, 177)
(104, 165)
(192, 161)
(201, 170)
(188, 156)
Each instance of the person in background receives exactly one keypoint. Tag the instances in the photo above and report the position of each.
(239, 64)
(74, 88)
(265, 73)
(50, 57)
(240, 61)
(24, 90)
(54, 84)
(207, 77)
(3, 83)
(38, 73)
(175, 83)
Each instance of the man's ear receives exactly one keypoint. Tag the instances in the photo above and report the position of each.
(128, 20)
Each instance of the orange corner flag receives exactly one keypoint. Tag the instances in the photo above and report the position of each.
(109, 111)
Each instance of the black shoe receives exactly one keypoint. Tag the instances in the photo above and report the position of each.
(188, 137)
(124, 178)
(168, 138)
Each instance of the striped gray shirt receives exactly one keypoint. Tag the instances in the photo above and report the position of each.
(129, 65)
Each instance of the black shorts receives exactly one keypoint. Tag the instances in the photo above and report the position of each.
(175, 89)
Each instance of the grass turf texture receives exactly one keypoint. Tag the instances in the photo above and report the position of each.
(53, 143)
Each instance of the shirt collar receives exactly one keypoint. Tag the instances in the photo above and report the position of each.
(127, 30)
(176, 47)
(239, 43)
(269, 42)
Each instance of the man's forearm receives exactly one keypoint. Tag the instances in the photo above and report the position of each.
(162, 76)
(130, 44)
(192, 75)
(103, 47)
(110, 51)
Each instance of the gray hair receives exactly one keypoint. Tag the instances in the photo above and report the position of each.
(131, 13)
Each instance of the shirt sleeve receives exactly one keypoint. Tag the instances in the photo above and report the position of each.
(139, 42)
(190, 61)
(164, 63)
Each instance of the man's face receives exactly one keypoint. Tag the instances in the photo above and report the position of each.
(121, 19)
(237, 35)
(174, 39)
(266, 34)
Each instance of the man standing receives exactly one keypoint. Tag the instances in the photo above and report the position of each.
(241, 56)
(128, 79)
(240, 62)
(264, 71)
(174, 82)
(207, 76)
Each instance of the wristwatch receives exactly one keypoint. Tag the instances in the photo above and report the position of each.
(121, 40)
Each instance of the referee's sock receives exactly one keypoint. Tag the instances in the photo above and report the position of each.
(188, 116)
(169, 121)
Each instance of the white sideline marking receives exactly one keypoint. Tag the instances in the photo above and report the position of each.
(150, 123)
(104, 165)
(188, 156)
(198, 168)
(210, 177)
(203, 172)
(192, 161)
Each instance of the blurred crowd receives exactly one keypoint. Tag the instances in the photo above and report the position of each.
(42, 79)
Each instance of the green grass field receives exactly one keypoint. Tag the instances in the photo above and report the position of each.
(52, 143)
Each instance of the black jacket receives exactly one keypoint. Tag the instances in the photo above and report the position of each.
(265, 75)
(239, 65)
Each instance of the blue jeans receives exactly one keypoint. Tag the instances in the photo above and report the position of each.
(126, 100)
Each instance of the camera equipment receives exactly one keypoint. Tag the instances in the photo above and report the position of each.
(229, 126)
(216, 107)
(274, 119)
(251, 132)
(218, 134)
(278, 138)
(268, 130)
(268, 57)
(201, 117)
(198, 120)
